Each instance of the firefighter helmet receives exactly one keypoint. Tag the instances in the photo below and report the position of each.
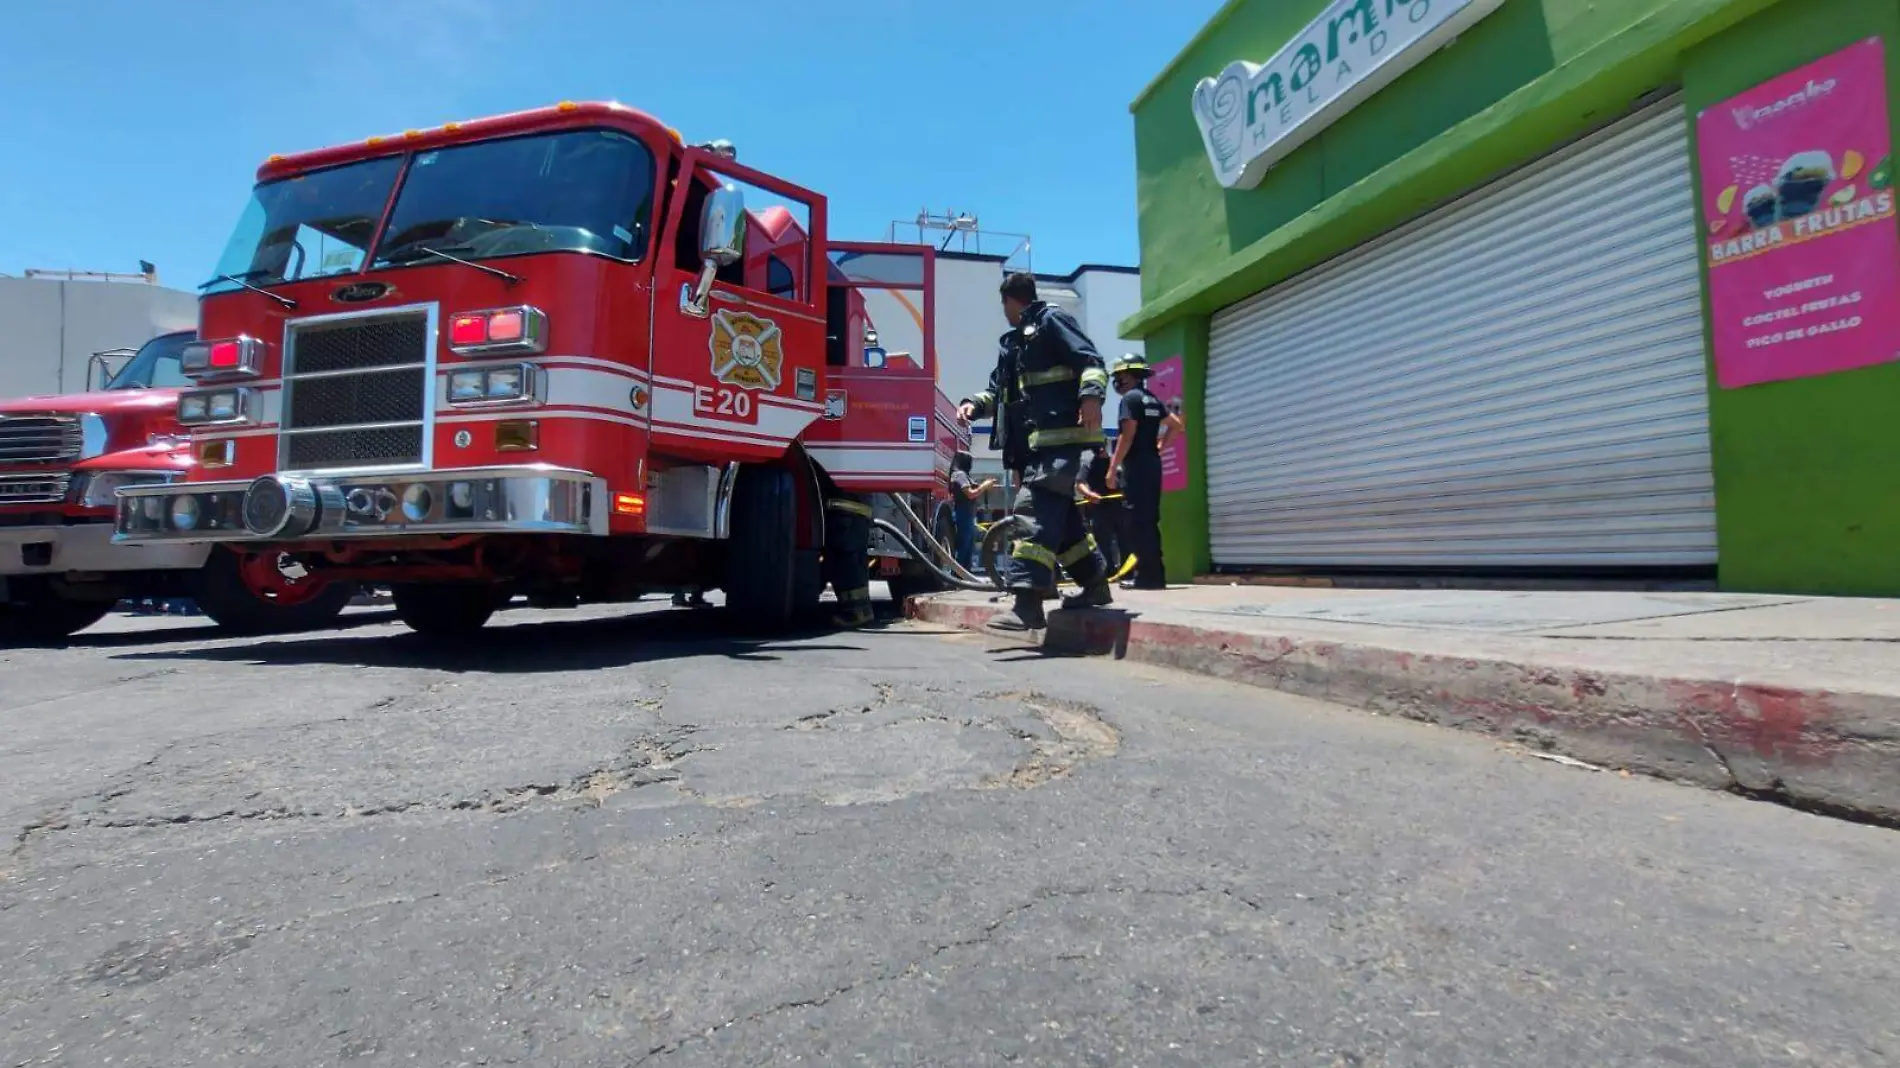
(1131, 364)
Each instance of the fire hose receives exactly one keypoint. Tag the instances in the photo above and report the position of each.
(958, 578)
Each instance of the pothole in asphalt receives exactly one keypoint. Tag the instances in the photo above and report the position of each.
(900, 743)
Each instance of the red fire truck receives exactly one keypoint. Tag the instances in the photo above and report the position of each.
(61, 461)
(559, 353)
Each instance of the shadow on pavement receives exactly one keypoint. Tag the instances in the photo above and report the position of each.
(202, 631)
(545, 645)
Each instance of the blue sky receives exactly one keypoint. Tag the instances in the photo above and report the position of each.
(133, 128)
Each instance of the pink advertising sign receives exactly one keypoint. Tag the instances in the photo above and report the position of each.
(1798, 211)
(1165, 383)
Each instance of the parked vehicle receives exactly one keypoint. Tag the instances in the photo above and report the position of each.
(554, 353)
(63, 458)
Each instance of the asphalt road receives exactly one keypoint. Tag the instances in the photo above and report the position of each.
(624, 838)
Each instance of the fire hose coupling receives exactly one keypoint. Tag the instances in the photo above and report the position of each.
(293, 506)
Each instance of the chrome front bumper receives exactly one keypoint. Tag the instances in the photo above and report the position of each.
(336, 505)
(88, 547)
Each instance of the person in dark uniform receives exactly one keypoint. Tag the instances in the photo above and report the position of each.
(1145, 424)
(1053, 368)
(847, 563)
(1105, 511)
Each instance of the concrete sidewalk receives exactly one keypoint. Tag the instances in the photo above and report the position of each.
(1793, 699)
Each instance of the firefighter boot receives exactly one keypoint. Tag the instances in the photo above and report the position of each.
(1094, 595)
(1026, 616)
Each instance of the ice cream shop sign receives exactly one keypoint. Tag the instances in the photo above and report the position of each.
(1798, 210)
(1252, 115)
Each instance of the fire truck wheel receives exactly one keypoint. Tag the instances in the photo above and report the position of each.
(258, 594)
(762, 554)
(44, 617)
(446, 611)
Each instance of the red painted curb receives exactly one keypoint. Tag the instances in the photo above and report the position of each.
(1818, 749)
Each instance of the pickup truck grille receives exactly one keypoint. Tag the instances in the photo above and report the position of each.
(33, 489)
(39, 439)
(355, 392)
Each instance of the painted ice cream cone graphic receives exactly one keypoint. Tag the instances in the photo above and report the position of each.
(1221, 105)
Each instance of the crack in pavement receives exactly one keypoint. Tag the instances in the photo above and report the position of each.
(916, 966)
(114, 684)
(650, 760)
(886, 693)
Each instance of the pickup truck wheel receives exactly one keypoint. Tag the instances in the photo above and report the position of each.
(45, 617)
(763, 584)
(259, 593)
(445, 611)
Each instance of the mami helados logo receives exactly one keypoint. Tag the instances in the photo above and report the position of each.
(1750, 117)
(1252, 115)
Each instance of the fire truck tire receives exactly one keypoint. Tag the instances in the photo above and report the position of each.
(762, 582)
(445, 611)
(46, 617)
(233, 602)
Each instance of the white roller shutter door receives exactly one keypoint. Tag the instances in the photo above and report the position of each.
(1513, 381)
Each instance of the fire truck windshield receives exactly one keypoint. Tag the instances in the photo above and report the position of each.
(307, 226)
(585, 191)
(156, 366)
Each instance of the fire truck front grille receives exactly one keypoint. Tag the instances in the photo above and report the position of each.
(39, 439)
(356, 393)
(353, 448)
(369, 397)
(33, 489)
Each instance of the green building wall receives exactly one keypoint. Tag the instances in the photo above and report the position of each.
(1807, 472)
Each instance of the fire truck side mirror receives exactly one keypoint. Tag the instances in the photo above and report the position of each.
(722, 227)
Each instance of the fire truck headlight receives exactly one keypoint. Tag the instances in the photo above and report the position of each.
(184, 512)
(462, 496)
(98, 490)
(493, 385)
(417, 502)
(214, 406)
(468, 385)
(505, 383)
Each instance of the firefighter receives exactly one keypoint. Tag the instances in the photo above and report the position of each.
(1144, 425)
(1105, 510)
(848, 557)
(1054, 375)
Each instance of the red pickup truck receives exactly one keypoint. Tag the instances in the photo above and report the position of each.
(62, 461)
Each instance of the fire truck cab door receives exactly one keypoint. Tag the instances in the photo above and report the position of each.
(736, 375)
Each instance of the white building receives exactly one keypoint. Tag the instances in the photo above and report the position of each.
(55, 324)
